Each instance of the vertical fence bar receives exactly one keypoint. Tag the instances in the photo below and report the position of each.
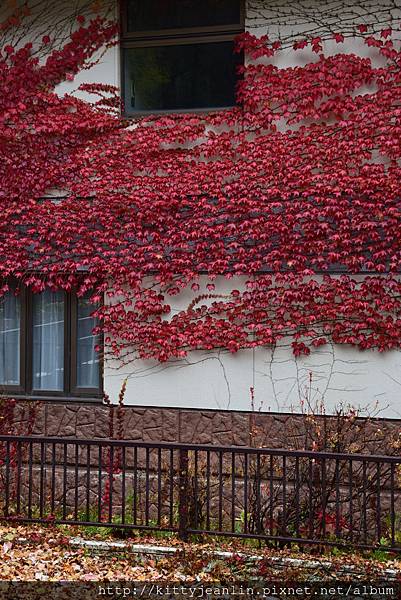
(378, 503)
(123, 485)
(99, 485)
(88, 481)
(19, 474)
(171, 502)
(159, 486)
(76, 477)
(337, 476)
(196, 490)
(324, 499)
(30, 462)
(245, 493)
(258, 501)
(111, 481)
(220, 491)
(392, 504)
(208, 490)
(297, 506)
(41, 488)
(271, 493)
(310, 485)
(64, 481)
(351, 500)
(365, 507)
(233, 491)
(284, 528)
(135, 515)
(7, 480)
(53, 479)
(147, 486)
(183, 494)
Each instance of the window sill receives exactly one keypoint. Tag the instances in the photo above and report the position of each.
(178, 111)
(61, 399)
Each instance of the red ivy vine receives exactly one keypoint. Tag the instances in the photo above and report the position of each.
(296, 191)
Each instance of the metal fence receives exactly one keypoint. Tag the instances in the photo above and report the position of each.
(275, 495)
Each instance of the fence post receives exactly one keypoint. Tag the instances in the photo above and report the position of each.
(183, 495)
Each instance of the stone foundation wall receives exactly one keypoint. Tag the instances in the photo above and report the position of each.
(204, 427)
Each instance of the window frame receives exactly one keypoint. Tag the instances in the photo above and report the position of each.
(70, 390)
(73, 351)
(172, 37)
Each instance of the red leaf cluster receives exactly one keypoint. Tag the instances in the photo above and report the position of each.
(296, 190)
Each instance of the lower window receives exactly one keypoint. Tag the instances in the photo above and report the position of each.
(46, 345)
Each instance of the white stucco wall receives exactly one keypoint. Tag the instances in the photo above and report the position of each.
(105, 70)
(334, 375)
(331, 374)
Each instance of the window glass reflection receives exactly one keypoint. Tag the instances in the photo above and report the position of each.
(87, 357)
(48, 341)
(10, 330)
(180, 77)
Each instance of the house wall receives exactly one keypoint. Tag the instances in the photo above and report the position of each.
(217, 382)
(332, 375)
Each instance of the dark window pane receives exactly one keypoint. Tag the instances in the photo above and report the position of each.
(180, 77)
(10, 324)
(87, 357)
(153, 15)
(48, 341)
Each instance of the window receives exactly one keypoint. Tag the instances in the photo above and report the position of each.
(179, 54)
(46, 345)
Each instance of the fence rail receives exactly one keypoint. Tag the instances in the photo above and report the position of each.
(280, 496)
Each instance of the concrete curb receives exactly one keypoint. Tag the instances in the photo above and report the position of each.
(151, 550)
(278, 562)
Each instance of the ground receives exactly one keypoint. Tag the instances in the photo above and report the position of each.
(55, 553)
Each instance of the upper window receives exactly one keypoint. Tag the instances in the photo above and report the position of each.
(46, 345)
(179, 54)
